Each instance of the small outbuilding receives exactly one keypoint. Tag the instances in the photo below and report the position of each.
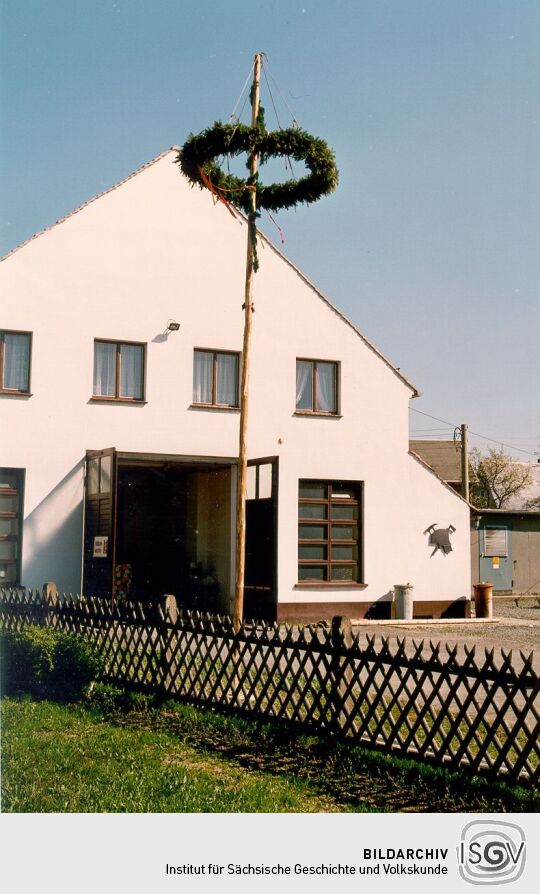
(505, 549)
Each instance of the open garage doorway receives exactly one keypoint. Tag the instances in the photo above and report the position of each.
(157, 525)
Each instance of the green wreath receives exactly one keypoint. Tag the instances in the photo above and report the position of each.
(198, 154)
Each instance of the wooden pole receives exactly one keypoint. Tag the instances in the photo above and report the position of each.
(340, 672)
(248, 312)
(464, 463)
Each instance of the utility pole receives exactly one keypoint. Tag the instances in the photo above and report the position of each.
(464, 463)
(248, 312)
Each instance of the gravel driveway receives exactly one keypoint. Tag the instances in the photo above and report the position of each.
(514, 627)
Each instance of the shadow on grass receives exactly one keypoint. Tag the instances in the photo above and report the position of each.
(353, 777)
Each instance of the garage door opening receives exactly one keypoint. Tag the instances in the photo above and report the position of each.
(157, 526)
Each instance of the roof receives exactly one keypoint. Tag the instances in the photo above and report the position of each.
(526, 513)
(444, 457)
(176, 149)
(429, 468)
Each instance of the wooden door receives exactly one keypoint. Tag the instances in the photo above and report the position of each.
(260, 597)
(100, 522)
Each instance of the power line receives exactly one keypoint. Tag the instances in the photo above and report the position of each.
(418, 430)
(471, 432)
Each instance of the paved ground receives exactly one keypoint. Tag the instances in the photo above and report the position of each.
(516, 628)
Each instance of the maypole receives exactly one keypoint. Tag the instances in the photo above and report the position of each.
(197, 159)
(238, 609)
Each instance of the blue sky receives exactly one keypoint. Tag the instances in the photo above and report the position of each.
(431, 243)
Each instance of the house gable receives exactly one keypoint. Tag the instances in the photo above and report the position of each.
(102, 224)
(116, 272)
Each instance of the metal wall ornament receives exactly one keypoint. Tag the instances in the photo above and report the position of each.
(439, 538)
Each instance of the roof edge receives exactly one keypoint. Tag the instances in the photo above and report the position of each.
(340, 314)
(99, 195)
(426, 465)
(266, 239)
(527, 512)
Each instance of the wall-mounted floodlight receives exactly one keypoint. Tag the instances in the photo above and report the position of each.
(172, 326)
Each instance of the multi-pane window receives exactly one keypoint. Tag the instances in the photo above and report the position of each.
(215, 378)
(316, 386)
(329, 534)
(15, 361)
(118, 370)
(11, 512)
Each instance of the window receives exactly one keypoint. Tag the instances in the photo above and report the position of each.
(259, 481)
(316, 386)
(118, 370)
(215, 378)
(15, 362)
(99, 472)
(11, 513)
(329, 532)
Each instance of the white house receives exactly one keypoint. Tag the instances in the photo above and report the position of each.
(119, 435)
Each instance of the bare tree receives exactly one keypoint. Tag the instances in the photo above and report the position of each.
(534, 503)
(495, 478)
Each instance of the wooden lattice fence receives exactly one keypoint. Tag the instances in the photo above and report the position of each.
(469, 707)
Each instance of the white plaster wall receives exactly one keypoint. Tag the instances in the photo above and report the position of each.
(154, 249)
(435, 575)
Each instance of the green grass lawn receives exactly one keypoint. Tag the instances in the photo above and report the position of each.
(58, 758)
(143, 757)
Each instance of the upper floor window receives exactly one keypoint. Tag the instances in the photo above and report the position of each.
(215, 378)
(15, 361)
(118, 370)
(316, 386)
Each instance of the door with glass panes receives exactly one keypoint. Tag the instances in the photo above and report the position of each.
(99, 522)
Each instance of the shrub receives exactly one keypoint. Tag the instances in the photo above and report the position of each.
(27, 659)
(109, 698)
(75, 664)
(47, 663)
(106, 697)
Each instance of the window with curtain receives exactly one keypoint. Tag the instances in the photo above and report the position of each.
(15, 361)
(316, 386)
(329, 532)
(118, 370)
(215, 378)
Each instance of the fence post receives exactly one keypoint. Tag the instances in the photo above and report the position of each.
(168, 640)
(170, 608)
(49, 604)
(341, 671)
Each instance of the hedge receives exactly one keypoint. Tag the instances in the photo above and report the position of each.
(47, 663)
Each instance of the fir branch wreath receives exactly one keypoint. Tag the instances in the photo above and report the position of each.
(197, 160)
